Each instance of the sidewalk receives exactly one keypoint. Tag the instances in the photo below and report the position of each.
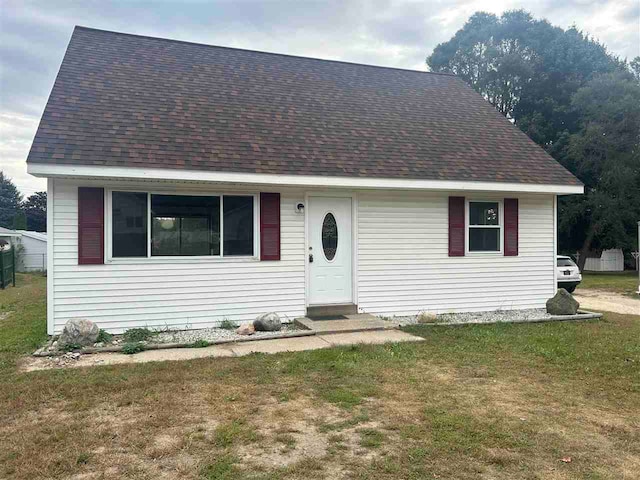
(275, 345)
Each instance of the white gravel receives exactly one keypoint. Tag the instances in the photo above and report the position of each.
(495, 316)
(213, 334)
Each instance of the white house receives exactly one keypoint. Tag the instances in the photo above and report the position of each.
(188, 184)
(33, 248)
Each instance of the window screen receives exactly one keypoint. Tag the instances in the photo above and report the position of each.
(129, 224)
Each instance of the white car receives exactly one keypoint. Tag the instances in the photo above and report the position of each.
(568, 273)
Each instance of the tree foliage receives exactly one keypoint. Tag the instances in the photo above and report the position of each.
(10, 201)
(35, 209)
(571, 97)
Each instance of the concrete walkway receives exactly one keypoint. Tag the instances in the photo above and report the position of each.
(296, 344)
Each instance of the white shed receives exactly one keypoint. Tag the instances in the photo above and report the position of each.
(31, 248)
(609, 261)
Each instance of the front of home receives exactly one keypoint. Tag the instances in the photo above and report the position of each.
(189, 184)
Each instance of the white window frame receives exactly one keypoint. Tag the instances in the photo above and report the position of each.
(182, 258)
(499, 227)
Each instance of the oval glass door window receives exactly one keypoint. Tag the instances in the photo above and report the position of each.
(329, 236)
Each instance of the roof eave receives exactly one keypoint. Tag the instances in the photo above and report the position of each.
(199, 176)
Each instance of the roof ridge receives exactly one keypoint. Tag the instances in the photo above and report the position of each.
(186, 42)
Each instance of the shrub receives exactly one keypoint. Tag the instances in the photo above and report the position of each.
(228, 324)
(132, 347)
(104, 336)
(137, 334)
(70, 347)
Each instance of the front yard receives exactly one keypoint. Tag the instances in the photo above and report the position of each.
(553, 400)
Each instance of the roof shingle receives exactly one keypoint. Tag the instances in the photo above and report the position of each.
(131, 101)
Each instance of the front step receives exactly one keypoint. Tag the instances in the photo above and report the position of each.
(331, 310)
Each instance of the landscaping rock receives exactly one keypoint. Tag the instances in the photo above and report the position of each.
(562, 303)
(246, 329)
(268, 322)
(79, 331)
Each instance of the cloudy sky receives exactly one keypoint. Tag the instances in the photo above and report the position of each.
(34, 35)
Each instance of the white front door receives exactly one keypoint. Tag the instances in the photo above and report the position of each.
(329, 256)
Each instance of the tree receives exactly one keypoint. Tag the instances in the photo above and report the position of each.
(605, 155)
(10, 201)
(35, 208)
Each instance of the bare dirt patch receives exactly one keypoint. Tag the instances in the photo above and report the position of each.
(602, 300)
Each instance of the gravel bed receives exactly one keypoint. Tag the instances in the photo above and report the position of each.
(213, 334)
(495, 316)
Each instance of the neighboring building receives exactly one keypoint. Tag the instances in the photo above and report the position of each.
(31, 248)
(188, 184)
(605, 261)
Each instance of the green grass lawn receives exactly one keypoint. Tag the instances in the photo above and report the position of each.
(622, 282)
(477, 401)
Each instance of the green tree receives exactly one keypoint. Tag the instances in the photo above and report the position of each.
(35, 209)
(10, 201)
(605, 155)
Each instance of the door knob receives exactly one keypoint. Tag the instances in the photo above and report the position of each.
(311, 258)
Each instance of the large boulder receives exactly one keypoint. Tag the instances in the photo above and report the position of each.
(79, 331)
(268, 322)
(562, 303)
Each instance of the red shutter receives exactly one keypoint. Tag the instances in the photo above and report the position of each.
(456, 226)
(511, 227)
(269, 226)
(90, 226)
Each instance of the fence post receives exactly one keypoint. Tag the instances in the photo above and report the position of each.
(2, 269)
(13, 261)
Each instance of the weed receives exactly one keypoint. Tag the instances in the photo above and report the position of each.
(83, 458)
(132, 347)
(227, 324)
(237, 431)
(104, 336)
(200, 344)
(70, 347)
(137, 335)
(222, 468)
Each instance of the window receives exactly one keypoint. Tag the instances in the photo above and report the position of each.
(238, 225)
(329, 236)
(484, 226)
(185, 225)
(182, 225)
(129, 224)
(566, 262)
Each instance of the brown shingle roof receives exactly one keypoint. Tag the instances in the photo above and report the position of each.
(131, 101)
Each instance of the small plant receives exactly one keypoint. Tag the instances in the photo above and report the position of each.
(104, 336)
(137, 334)
(132, 347)
(82, 459)
(199, 344)
(227, 324)
(70, 347)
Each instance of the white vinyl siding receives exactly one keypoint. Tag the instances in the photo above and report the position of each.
(174, 293)
(404, 267)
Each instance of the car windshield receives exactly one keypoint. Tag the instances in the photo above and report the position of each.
(566, 262)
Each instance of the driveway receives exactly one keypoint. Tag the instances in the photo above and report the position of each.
(602, 300)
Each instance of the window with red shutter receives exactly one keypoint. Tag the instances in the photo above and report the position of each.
(269, 226)
(510, 227)
(456, 226)
(90, 226)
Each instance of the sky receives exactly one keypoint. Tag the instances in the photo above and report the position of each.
(34, 36)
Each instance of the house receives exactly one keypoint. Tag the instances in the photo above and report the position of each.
(31, 248)
(188, 184)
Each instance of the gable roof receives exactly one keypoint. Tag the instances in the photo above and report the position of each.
(130, 101)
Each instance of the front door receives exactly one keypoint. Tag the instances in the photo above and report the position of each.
(329, 255)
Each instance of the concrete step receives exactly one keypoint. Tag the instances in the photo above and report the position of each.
(330, 310)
